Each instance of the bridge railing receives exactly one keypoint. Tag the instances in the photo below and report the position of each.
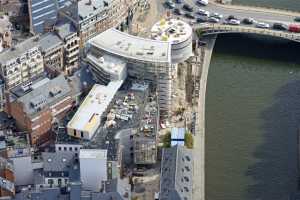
(221, 28)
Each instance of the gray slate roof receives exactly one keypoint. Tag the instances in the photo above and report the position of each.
(86, 10)
(176, 174)
(19, 49)
(57, 162)
(65, 29)
(41, 96)
(49, 41)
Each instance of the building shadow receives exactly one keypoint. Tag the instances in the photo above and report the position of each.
(276, 170)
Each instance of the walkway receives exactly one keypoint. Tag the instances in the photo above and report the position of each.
(199, 139)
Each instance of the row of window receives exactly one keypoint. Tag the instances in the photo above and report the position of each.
(65, 148)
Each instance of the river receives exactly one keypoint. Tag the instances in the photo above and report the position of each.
(252, 118)
(283, 4)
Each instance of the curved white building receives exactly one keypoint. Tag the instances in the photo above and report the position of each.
(145, 59)
(178, 33)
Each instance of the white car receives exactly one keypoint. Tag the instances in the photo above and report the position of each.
(203, 12)
(262, 25)
(202, 2)
(233, 22)
(216, 15)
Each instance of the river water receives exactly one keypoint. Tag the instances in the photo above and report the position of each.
(252, 118)
(283, 4)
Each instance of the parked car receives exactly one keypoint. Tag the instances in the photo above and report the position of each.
(280, 26)
(230, 17)
(216, 15)
(178, 1)
(170, 4)
(213, 20)
(202, 2)
(294, 28)
(262, 25)
(248, 21)
(297, 19)
(189, 15)
(177, 11)
(201, 19)
(233, 22)
(203, 12)
(188, 8)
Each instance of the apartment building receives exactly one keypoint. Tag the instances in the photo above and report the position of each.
(52, 48)
(40, 106)
(21, 63)
(5, 32)
(92, 17)
(67, 33)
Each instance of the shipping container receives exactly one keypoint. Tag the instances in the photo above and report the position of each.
(294, 28)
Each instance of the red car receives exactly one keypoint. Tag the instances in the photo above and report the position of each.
(294, 28)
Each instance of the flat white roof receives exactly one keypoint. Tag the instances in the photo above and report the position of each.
(108, 63)
(172, 30)
(129, 46)
(93, 153)
(95, 103)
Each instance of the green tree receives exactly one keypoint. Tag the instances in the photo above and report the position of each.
(188, 140)
(167, 140)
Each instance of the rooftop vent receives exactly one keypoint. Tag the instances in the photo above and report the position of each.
(55, 91)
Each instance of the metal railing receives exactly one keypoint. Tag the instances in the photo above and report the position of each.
(222, 28)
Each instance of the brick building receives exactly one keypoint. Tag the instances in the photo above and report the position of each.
(42, 104)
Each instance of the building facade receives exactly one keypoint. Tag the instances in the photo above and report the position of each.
(92, 17)
(42, 15)
(22, 63)
(5, 32)
(52, 49)
(67, 33)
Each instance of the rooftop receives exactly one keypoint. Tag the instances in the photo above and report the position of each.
(129, 46)
(65, 29)
(49, 41)
(5, 24)
(176, 173)
(93, 154)
(93, 106)
(88, 8)
(110, 64)
(172, 30)
(46, 94)
(19, 49)
(57, 162)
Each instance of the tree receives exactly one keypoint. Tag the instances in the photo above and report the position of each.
(167, 140)
(188, 140)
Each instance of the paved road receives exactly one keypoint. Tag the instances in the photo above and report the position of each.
(199, 139)
(260, 14)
